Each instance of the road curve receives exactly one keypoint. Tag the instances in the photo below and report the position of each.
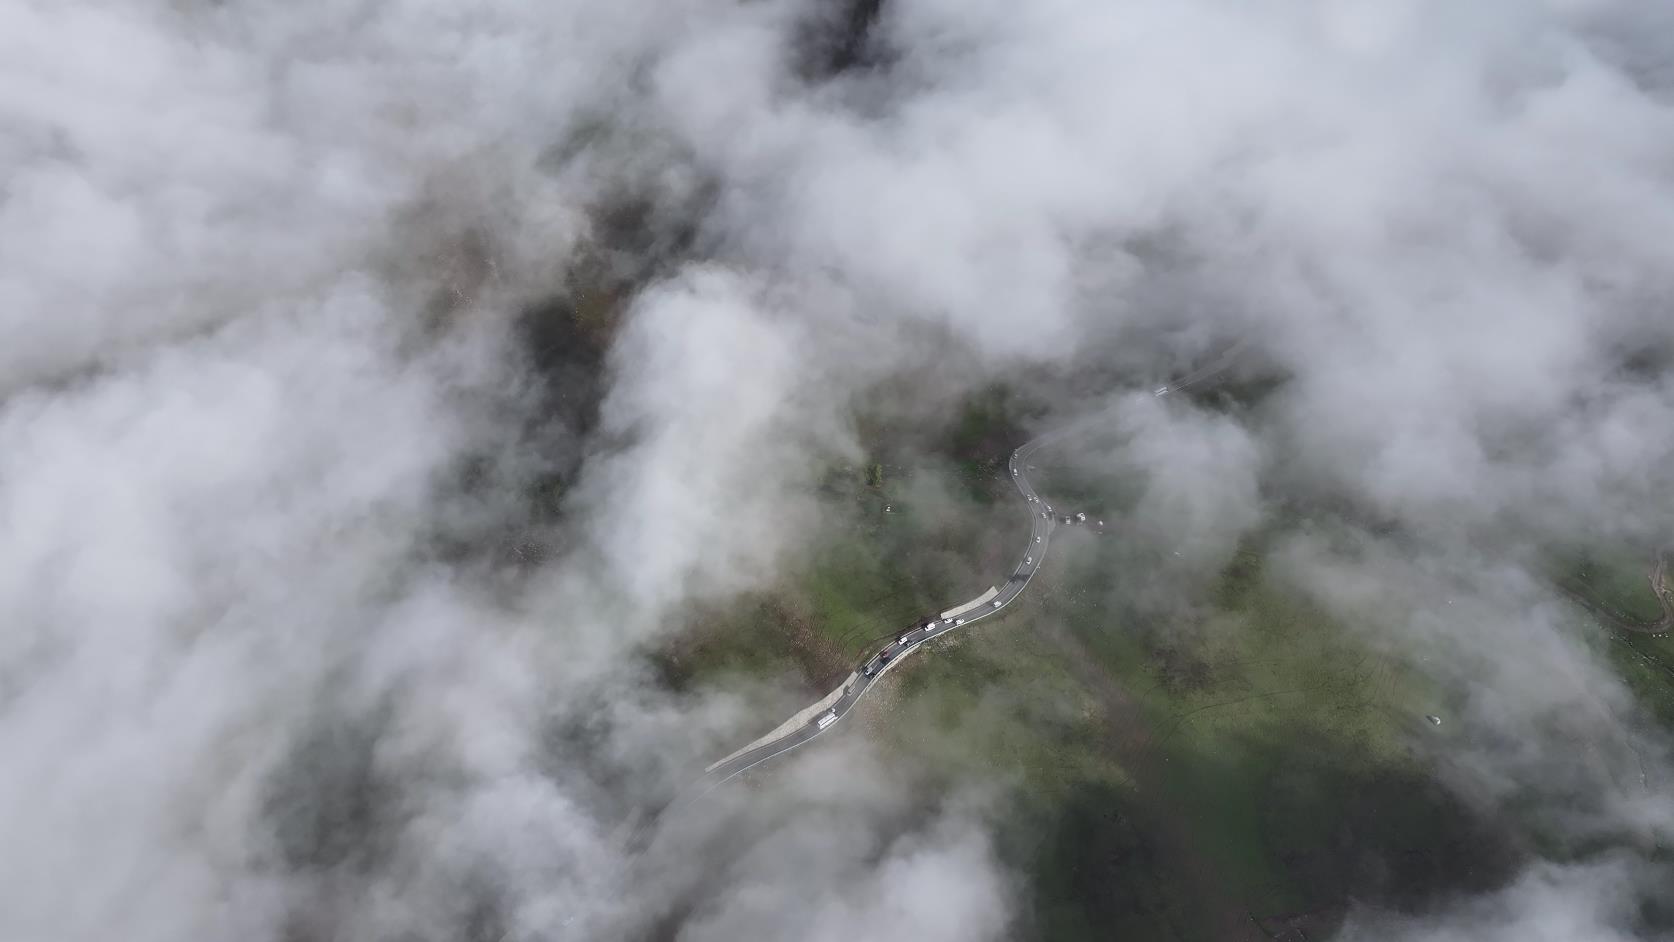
(880, 660)
(1042, 523)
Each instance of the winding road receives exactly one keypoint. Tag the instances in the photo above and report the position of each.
(879, 661)
(826, 714)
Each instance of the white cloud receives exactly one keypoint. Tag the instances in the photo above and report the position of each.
(232, 418)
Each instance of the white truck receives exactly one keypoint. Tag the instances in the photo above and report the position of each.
(829, 718)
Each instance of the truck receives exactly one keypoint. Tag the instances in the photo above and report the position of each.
(829, 718)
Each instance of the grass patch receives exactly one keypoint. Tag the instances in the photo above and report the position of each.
(753, 638)
(1260, 757)
(1617, 580)
(1164, 779)
(880, 566)
(1164, 776)
(1646, 665)
(857, 596)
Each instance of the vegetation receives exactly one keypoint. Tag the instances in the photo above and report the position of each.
(1615, 582)
(1615, 586)
(1263, 771)
(1242, 761)
(880, 563)
(1646, 665)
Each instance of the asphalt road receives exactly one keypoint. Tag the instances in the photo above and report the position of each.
(1042, 523)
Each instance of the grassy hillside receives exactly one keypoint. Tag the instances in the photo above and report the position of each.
(1258, 775)
(1238, 768)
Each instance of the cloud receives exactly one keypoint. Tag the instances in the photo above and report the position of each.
(713, 384)
(261, 271)
(865, 854)
(1592, 903)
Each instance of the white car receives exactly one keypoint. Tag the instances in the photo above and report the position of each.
(959, 622)
(1028, 560)
(1037, 539)
(1043, 515)
(1048, 508)
(996, 603)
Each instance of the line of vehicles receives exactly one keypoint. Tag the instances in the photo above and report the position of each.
(950, 619)
(907, 638)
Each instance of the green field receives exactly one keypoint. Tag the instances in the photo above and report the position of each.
(1614, 579)
(1171, 790)
(898, 543)
(1646, 664)
(1613, 586)
(1255, 754)
(1242, 764)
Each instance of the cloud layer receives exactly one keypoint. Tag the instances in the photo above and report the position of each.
(264, 673)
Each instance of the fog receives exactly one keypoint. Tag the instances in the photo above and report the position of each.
(269, 418)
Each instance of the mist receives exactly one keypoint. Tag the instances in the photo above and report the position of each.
(276, 662)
